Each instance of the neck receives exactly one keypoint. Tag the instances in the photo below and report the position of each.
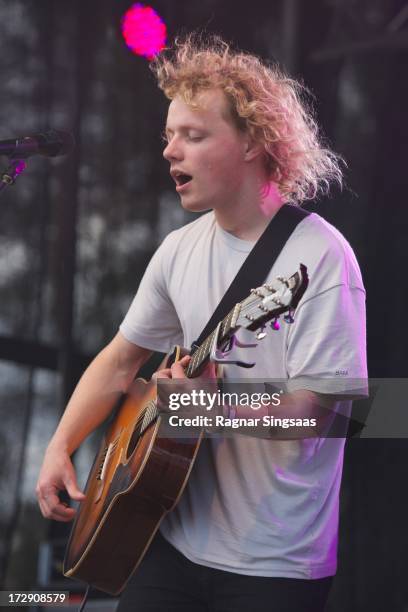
(248, 218)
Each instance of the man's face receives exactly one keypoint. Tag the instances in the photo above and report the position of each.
(206, 152)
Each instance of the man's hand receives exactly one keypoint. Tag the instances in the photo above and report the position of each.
(207, 382)
(57, 473)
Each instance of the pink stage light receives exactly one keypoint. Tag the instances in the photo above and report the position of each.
(143, 30)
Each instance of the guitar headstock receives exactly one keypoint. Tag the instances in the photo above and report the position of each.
(271, 300)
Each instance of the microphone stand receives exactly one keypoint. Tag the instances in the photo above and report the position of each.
(12, 172)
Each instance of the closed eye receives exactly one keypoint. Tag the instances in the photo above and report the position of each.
(195, 138)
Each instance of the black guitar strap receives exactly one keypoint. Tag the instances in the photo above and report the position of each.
(257, 265)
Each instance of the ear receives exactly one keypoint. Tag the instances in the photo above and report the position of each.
(252, 149)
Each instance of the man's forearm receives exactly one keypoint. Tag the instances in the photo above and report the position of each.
(94, 398)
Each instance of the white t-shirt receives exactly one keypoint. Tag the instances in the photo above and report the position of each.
(258, 506)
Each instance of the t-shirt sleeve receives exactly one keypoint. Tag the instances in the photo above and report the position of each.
(152, 321)
(327, 344)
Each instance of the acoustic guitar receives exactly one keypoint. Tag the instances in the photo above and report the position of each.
(139, 475)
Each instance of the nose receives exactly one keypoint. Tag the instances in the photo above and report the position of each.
(173, 150)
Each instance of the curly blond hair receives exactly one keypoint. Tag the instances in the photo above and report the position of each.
(263, 101)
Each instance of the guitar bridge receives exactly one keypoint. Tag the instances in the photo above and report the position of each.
(107, 453)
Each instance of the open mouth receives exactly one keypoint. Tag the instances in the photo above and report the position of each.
(182, 179)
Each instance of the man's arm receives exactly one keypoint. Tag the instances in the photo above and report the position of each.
(107, 377)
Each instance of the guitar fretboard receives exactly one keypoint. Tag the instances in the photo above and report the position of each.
(202, 353)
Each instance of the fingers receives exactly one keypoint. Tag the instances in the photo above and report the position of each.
(166, 373)
(57, 474)
(176, 370)
(73, 490)
(52, 507)
(184, 361)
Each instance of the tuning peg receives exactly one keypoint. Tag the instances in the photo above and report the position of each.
(288, 318)
(261, 334)
(283, 280)
(275, 324)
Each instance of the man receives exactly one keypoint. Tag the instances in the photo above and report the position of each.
(256, 527)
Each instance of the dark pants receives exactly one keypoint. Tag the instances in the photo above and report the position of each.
(168, 582)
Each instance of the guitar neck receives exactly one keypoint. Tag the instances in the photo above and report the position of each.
(202, 353)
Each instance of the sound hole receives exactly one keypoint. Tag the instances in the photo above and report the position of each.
(135, 437)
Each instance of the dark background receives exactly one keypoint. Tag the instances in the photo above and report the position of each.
(76, 233)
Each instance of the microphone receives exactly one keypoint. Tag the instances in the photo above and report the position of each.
(51, 144)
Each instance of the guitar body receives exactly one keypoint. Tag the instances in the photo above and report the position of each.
(137, 477)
